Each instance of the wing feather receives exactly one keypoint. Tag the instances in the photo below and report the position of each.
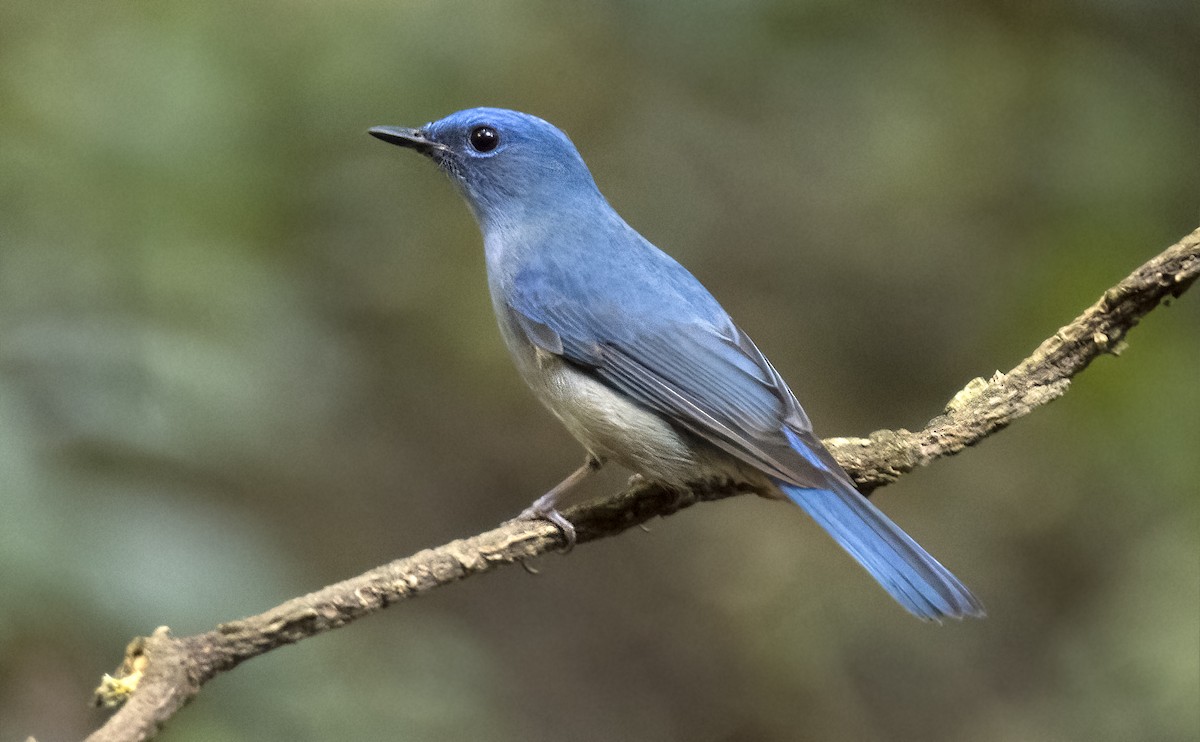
(707, 378)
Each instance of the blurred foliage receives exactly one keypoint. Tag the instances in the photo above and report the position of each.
(246, 350)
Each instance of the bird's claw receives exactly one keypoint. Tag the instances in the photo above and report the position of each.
(533, 512)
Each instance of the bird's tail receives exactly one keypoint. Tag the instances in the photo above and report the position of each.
(910, 575)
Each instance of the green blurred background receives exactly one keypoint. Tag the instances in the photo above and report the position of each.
(246, 350)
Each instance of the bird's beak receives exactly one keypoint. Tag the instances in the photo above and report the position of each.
(404, 137)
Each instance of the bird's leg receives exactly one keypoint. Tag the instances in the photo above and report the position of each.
(544, 508)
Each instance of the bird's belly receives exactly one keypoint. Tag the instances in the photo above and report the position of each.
(612, 427)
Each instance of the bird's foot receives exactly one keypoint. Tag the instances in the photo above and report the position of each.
(543, 509)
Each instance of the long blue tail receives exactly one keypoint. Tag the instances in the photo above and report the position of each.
(910, 575)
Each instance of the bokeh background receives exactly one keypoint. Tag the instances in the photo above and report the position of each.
(246, 350)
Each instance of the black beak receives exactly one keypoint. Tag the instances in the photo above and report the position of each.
(404, 137)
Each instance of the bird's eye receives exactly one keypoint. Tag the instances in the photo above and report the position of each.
(484, 138)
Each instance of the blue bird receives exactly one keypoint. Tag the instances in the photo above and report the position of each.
(637, 359)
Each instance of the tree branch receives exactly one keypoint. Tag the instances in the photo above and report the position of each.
(161, 673)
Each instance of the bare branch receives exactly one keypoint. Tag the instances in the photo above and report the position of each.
(161, 673)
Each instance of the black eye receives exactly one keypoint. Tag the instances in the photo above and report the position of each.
(484, 138)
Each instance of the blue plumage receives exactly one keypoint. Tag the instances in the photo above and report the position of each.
(636, 357)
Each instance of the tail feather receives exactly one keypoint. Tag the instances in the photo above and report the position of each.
(909, 574)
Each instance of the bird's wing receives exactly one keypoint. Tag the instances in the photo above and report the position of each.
(706, 377)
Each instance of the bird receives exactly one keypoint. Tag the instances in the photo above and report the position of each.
(636, 357)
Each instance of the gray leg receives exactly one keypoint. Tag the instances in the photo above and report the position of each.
(544, 508)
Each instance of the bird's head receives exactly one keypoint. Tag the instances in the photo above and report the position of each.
(509, 165)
